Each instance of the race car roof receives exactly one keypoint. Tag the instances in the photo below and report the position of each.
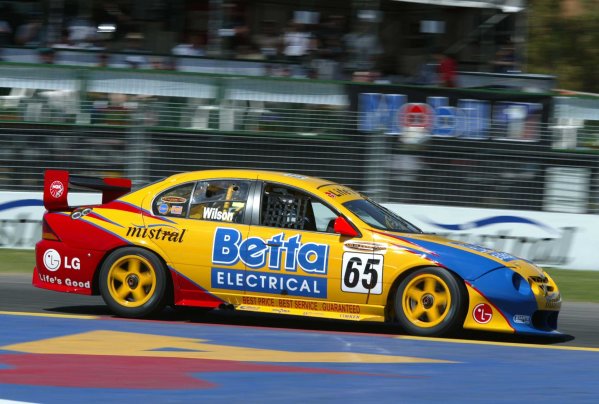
(298, 180)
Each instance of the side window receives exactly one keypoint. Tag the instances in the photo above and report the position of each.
(325, 217)
(173, 202)
(290, 208)
(220, 200)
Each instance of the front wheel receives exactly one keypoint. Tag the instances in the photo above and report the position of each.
(133, 282)
(431, 302)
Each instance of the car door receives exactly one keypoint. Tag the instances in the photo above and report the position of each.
(207, 213)
(293, 255)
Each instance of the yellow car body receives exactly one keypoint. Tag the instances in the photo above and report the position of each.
(280, 243)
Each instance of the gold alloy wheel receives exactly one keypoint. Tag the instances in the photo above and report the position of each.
(426, 300)
(131, 281)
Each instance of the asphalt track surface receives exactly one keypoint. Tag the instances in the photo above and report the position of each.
(57, 347)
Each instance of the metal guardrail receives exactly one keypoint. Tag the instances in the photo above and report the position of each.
(146, 126)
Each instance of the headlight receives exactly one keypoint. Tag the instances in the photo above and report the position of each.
(520, 284)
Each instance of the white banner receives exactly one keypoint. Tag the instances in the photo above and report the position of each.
(549, 239)
(21, 216)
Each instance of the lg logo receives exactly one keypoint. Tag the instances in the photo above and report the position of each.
(52, 261)
(482, 313)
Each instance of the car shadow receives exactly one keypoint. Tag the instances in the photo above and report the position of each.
(266, 320)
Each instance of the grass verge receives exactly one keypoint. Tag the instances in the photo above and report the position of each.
(16, 261)
(575, 285)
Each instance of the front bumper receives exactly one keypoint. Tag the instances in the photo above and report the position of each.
(505, 301)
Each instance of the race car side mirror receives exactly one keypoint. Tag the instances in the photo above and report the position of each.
(343, 227)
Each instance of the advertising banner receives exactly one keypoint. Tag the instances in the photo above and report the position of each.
(548, 239)
(412, 111)
(21, 216)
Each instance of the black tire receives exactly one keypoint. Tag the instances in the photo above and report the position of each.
(431, 302)
(133, 282)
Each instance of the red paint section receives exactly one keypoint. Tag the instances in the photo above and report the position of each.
(188, 293)
(98, 217)
(82, 234)
(79, 253)
(123, 186)
(120, 372)
(56, 189)
(60, 284)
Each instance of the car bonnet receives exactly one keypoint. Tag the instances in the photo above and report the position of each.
(470, 261)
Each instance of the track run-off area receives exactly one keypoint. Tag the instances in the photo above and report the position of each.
(57, 348)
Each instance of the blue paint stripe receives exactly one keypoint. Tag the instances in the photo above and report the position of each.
(95, 215)
(146, 212)
(108, 231)
(468, 264)
(503, 219)
(21, 203)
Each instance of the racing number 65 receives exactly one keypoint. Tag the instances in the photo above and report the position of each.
(362, 273)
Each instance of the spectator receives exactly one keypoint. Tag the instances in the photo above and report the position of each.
(505, 59)
(136, 58)
(32, 32)
(6, 30)
(8, 23)
(47, 56)
(330, 38)
(329, 48)
(158, 63)
(268, 40)
(362, 47)
(194, 46)
(169, 63)
(5, 33)
(63, 42)
(296, 42)
(249, 52)
(428, 71)
(82, 31)
(103, 59)
(235, 31)
(110, 14)
(447, 69)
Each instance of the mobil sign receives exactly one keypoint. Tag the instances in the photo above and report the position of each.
(469, 118)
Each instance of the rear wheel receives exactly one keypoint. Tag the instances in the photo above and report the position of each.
(431, 301)
(133, 282)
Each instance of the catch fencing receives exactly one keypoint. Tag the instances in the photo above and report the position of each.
(419, 145)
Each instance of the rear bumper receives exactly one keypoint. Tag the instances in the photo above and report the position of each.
(57, 284)
(64, 269)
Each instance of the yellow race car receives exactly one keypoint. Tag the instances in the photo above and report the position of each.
(279, 243)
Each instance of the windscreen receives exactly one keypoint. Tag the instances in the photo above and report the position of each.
(380, 217)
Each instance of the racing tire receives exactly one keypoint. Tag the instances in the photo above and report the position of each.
(431, 302)
(133, 282)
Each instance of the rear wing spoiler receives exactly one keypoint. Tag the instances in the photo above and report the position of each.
(58, 182)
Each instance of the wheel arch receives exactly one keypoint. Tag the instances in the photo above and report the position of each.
(169, 277)
(390, 301)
